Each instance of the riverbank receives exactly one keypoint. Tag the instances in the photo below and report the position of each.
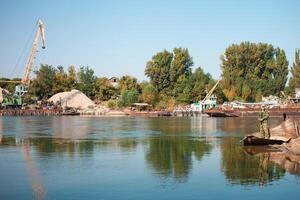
(86, 112)
(30, 112)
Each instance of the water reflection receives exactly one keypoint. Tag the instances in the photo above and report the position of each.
(171, 152)
(172, 156)
(169, 148)
(284, 159)
(37, 185)
(242, 168)
(47, 146)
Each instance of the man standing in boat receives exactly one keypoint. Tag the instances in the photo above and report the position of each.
(263, 117)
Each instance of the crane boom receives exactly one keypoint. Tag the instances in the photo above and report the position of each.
(211, 91)
(28, 69)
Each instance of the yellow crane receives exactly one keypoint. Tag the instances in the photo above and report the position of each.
(15, 100)
(211, 91)
(28, 69)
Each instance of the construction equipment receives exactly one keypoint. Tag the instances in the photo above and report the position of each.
(15, 99)
(209, 101)
(211, 91)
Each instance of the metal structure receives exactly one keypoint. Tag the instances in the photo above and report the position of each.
(28, 69)
(211, 91)
(15, 100)
(209, 101)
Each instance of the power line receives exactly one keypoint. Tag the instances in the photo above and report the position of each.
(22, 53)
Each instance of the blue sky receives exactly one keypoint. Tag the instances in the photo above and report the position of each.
(118, 37)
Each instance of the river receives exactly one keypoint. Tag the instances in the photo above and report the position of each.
(139, 158)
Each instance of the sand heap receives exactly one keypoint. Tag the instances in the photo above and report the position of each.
(74, 99)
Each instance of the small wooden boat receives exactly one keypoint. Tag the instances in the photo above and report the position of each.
(70, 112)
(253, 140)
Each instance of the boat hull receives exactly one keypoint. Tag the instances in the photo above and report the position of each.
(253, 140)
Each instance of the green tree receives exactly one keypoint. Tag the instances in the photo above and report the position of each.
(61, 83)
(202, 83)
(111, 104)
(87, 81)
(104, 90)
(158, 70)
(194, 87)
(249, 67)
(181, 65)
(128, 97)
(149, 94)
(42, 85)
(294, 81)
(183, 90)
(166, 102)
(72, 79)
(10, 86)
(167, 70)
(127, 83)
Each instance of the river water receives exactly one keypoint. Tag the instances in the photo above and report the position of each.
(139, 158)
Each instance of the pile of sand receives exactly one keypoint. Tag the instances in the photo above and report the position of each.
(74, 99)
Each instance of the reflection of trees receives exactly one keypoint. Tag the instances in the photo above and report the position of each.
(170, 153)
(172, 156)
(169, 125)
(127, 144)
(241, 168)
(45, 146)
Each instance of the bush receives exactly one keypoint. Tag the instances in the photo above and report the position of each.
(128, 97)
(111, 104)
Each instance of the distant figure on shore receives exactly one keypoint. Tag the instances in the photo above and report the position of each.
(263, 117)
(284, 116)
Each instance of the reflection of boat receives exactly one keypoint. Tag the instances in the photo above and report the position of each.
(285, 159)
(253, 140)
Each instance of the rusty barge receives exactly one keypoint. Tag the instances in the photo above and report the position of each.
(253, 112)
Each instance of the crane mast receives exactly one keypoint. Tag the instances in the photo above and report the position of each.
(28, 69)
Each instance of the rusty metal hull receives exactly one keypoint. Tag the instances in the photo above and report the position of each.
(253, 140)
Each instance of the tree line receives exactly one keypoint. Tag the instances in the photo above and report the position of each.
(249, 71)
